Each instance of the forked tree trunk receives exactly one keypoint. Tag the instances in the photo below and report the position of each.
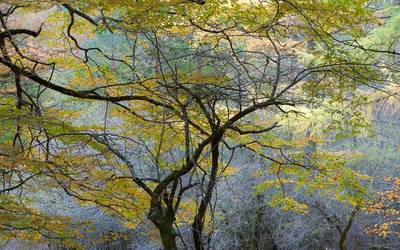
(345, 231)
(198, 223)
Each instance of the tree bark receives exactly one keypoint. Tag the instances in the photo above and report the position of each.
(168, 236)
(163, 219)
(341, 243)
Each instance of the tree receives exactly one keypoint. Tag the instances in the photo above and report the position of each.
(223, 72)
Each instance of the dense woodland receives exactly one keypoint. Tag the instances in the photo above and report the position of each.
(199, 124)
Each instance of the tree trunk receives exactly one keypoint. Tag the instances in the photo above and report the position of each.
(198, 223)
(343, 235)
(341, 242)
(163, 219)
(168, 236)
